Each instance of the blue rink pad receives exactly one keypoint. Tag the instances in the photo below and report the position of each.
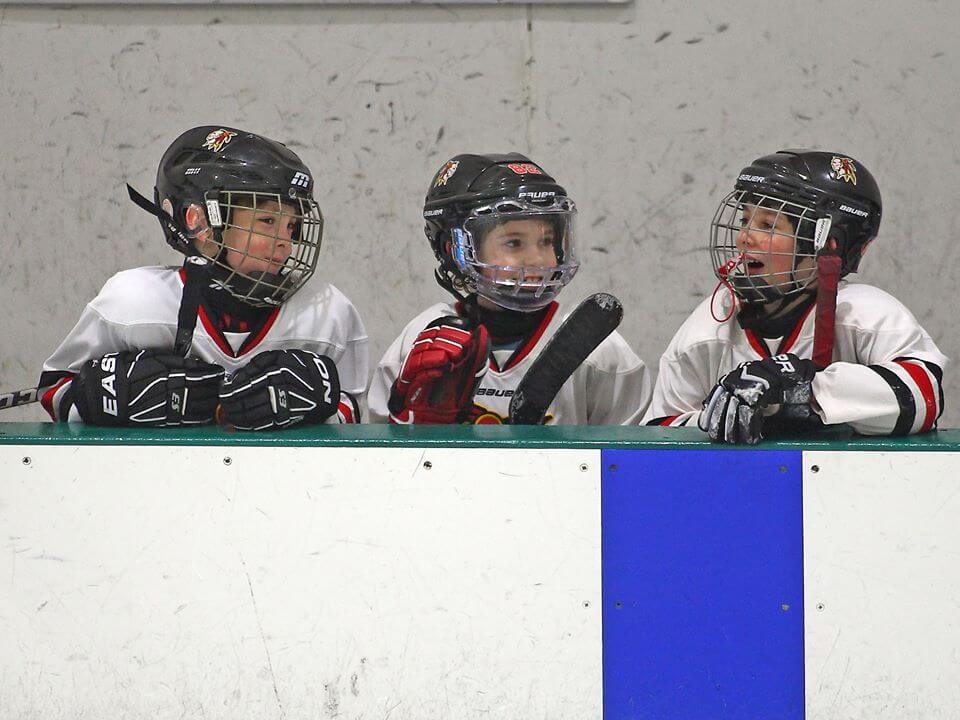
(702, 585)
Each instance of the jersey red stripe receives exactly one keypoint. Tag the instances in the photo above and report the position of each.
(920, 377)
(47, 400)
(759, 346)
(669, 419)
(214, 332)
(251, 342)
(792, 338)
(534, 339)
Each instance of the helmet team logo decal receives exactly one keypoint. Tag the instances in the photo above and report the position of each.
(217, 139)
(844, 169)
(446, 172)
(525, 169)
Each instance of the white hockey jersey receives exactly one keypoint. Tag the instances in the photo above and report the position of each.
(137, 309)
(885, 378)
(611, 387)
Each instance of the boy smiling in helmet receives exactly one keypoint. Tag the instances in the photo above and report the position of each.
(266, 353)
(878, 372)
(503, 233)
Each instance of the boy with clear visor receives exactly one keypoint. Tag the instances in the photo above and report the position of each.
(503, 233)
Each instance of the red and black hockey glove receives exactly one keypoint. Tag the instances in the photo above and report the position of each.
(147, 388)
(437, 381)
(746, 398)
(279, 388)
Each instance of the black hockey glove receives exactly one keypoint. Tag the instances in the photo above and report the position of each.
(149, 388)
(736, 409)
(280, 388)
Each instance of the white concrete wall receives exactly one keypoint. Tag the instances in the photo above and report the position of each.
(645, 112)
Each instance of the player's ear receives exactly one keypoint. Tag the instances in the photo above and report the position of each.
(196, 222)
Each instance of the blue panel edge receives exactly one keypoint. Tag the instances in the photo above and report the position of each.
(702, 571)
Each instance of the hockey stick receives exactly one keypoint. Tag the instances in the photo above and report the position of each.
(586, 327)
(19, 397)
(829, 264)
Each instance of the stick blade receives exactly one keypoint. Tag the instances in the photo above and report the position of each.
(587, 326)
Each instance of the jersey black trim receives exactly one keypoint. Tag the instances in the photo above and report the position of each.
(666, 421)
(908, 406)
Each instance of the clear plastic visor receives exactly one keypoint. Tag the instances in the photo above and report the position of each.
(518, 255)
(764, 246)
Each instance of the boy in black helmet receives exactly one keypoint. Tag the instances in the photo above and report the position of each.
(503, 233)
(235, 332)
(793, 353)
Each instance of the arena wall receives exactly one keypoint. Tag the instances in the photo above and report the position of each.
(645, 111)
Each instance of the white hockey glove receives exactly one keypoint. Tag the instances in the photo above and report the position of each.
(778, 387)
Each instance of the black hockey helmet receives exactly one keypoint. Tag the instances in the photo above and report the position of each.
(822, 194)
(221, 170)
(471, 195)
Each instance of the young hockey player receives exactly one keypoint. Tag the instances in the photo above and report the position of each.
(263, 355)
(756, 334)
(503, 233)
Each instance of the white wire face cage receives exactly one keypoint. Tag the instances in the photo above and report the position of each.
(765, 247)
(266, 245)
(536, 241)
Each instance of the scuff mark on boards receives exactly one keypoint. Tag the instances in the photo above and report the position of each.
(263, 638)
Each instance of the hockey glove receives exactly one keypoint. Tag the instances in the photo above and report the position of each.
(736, 409)
(437, 381)
(147, 388)
(280, 388)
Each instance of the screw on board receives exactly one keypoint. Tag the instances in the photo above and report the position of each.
(613, 468)
(584, 467)
(586, 603)
(427, 464)
(783, 468)
(26, 461)
(819, 606)
(815, 468)
(228, 460)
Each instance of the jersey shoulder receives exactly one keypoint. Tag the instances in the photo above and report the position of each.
(322, 308)
(700, 328)
(140, 295)
(421, 320)
(868, 308)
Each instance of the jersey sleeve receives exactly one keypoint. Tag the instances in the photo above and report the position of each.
(686, 377)
(618, 388)
(93, 336)
(896, 388)
(383, 378)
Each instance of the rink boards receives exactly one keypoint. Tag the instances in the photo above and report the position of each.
(529, 574)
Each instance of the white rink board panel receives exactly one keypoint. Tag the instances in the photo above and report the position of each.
(160, 582)
(882, 585)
